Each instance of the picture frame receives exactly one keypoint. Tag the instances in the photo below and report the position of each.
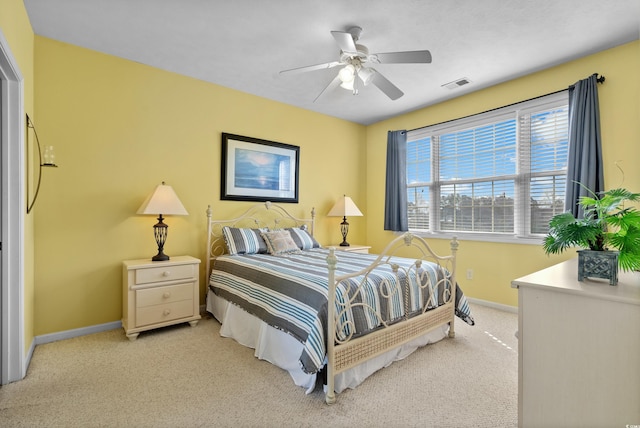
(258, 170)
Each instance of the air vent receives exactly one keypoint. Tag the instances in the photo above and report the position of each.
(457, 83)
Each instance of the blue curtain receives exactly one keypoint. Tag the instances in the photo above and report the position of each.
(584, 166)
(395, 206)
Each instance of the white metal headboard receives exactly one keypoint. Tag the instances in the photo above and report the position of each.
(264, 214)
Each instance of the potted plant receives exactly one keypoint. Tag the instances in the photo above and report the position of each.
(609, 234)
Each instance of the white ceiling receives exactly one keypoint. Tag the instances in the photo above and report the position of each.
(243, 44)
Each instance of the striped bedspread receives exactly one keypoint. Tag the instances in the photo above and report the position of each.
(289, 292)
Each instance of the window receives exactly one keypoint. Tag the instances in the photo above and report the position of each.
(501, 173)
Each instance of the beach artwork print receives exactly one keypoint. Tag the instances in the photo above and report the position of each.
(258, 170)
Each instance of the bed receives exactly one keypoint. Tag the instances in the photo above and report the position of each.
(270, 284)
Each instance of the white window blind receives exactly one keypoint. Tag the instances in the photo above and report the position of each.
(547, 131)
(500, 172)
(419, 175)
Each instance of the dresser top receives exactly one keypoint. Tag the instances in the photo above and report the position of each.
(148, 263)
(563, 278)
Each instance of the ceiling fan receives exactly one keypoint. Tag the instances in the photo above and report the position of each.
(356, 59)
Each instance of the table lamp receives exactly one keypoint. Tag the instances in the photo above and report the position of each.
(163, 200)
(344, 207)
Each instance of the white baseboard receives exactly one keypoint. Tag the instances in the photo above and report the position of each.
(499, 306)
(27, 358)
(68, 334)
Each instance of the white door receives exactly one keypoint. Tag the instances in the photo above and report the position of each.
(12, 214)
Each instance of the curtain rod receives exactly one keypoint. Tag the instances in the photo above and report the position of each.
(599, 79)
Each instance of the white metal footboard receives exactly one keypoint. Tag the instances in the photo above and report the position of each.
(346, 352)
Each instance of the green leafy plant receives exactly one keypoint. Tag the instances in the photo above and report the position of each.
(607, 225)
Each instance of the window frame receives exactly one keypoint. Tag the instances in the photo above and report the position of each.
(522, 176)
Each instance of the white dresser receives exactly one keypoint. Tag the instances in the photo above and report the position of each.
(579, 349)
(158, 294)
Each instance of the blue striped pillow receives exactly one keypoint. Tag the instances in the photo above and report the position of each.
(302, 238)
(244, 240)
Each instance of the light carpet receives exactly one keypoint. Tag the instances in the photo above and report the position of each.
(191, 377)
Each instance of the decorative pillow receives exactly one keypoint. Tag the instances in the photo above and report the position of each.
(462, 307)
(280, 242)
(244, 240)
(303, 238)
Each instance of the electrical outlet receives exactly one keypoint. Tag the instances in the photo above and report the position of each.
(469, 273)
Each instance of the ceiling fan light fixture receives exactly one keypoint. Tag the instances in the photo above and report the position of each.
(366, 75)
(347, 74)
(348, 85)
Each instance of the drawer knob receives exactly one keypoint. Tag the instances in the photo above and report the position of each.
(166, 312)
(166, 273)
(166, 294)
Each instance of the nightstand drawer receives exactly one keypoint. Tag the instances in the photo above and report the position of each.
(164, 273)
(162, 313)
(158, 296)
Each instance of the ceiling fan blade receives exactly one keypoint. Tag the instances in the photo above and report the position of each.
(409, 57)
(390, 90)
(332, 85)
(345, 41)
(311, 67)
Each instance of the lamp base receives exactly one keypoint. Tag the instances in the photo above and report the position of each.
(160, 257)
(344, 229)
(160, 233)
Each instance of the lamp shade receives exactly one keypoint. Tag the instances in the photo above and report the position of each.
(163, 200)
(344, 207)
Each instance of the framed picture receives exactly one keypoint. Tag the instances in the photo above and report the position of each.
(258, 170)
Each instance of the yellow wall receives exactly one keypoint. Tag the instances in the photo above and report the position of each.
(119, 128)
(16, 29)
(495, 265)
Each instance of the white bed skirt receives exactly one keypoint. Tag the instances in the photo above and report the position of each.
(283, 350)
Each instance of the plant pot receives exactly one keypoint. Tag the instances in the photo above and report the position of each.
(598, 264)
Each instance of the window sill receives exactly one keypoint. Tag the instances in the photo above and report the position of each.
(483, 237)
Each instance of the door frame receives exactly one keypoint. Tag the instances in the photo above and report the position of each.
(13, 365)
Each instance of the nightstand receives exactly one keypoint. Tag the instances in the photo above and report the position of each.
(158, 294)
(364, 249)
